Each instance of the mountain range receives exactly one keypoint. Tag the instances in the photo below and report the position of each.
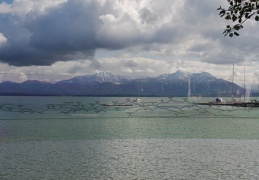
(107, 84)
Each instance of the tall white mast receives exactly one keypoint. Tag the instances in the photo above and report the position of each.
(244, 84)
(233, 81)
(189, 87)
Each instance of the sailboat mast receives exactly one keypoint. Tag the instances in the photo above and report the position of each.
(244, 83)
(233, 81)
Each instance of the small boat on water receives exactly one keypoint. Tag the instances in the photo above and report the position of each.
(137, 100)
(233, 102)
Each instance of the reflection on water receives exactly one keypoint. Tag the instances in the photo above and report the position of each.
(116, 138)
(131, 159)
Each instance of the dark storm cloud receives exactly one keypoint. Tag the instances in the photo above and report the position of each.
(63, 33)
(71, 27)
(77, 28)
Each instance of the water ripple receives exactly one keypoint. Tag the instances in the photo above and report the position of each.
(131, 159)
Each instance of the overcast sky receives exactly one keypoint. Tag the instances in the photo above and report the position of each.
(65, 38)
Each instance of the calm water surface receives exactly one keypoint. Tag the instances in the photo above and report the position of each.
(118, 138)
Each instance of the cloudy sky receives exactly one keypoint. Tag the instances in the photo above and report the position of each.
(52, 40)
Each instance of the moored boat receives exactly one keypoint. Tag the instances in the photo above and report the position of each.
(233, 102)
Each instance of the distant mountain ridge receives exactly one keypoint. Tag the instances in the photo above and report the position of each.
(181, 75)
(107, 84)
(100, 77)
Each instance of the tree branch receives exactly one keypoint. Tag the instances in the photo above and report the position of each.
(241, 11)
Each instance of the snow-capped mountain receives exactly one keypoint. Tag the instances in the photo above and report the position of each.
(181, 75)
(201, 77)
(100, 77)
(107, 84)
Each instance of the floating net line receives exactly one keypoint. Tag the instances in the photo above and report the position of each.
(129, 108)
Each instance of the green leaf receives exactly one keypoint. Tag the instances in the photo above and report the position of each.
(234, 18)
(237, 27)
(236, 34)
(222, 12)
(247, 15)
(228, 17)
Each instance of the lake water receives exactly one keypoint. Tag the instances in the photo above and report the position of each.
(120, 138)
